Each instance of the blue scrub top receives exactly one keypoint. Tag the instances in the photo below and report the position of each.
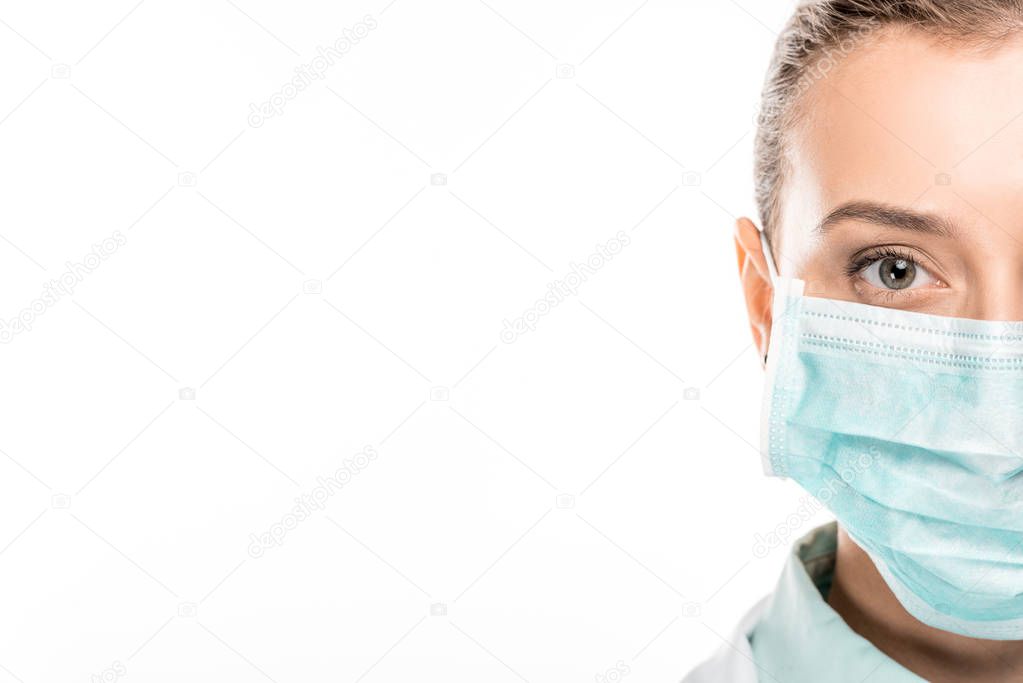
(799, 638)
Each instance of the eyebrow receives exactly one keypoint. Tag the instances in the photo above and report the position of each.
(888, 216)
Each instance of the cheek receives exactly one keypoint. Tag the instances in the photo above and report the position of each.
(824, 273)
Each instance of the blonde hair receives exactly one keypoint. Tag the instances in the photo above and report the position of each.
(820, 32)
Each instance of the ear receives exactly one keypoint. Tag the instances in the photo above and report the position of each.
(756, 282)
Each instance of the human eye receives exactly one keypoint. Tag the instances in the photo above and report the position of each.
(889, 272)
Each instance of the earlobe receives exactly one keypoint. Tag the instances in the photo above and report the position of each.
(756, 282)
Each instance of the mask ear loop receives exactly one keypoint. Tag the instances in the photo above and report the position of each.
(772, 270)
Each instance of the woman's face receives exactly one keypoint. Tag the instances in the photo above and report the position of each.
(907, 183)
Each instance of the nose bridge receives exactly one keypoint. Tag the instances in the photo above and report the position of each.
(998, 292)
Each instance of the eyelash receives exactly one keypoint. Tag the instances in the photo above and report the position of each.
(873, 255)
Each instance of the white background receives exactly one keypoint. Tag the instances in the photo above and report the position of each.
(543, 510)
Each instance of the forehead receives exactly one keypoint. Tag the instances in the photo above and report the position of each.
(905, 120)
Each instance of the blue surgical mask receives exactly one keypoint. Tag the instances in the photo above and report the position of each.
(909, 428)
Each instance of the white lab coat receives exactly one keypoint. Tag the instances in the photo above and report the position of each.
(732, 662)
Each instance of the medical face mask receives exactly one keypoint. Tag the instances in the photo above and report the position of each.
(909, 428)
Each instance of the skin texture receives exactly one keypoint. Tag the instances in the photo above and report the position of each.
(907, 123)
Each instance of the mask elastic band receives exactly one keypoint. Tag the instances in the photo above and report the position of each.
(771, 269)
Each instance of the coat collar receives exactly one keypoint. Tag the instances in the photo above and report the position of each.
(794, 636)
